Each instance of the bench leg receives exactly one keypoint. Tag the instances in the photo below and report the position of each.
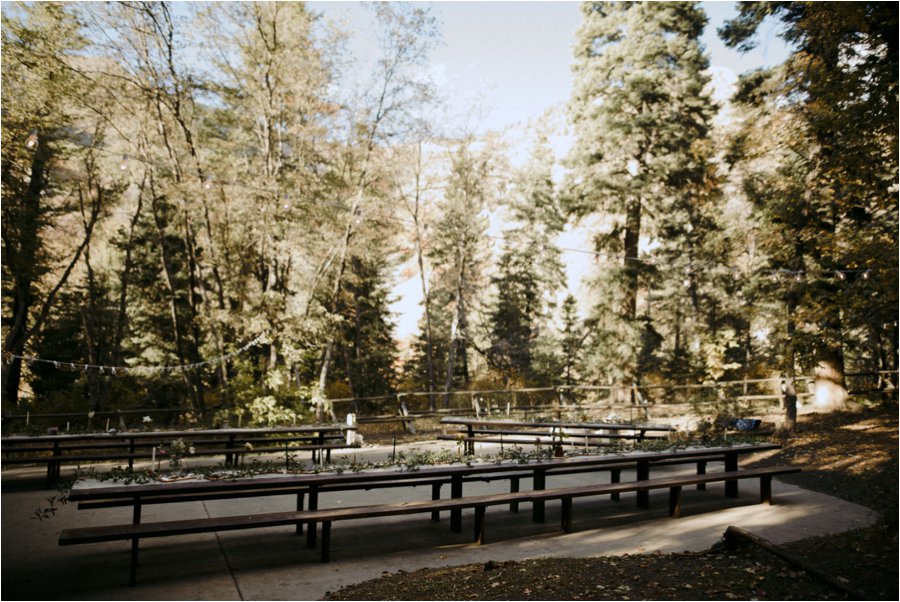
(136, 512)
(456, 487)
(479, 524)
(300, 497)
(643, 473)
(701, 470)
(326, 540)
(435, 495)
(132, 573)
(675, 502)
(615, 476)
(731, 464)
(765, 490)
(311, 525)
(514, 488)
(567, 514)
(537, 507)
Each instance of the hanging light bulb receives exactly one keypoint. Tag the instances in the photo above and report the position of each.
(866, 274)
(286, 201)
(799, 277)
(841, 275)
(207, 184)
(124, 164)
(31, 142)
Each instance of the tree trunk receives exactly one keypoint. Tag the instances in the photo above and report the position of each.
(22, 264)
(790, 394)
(630, 266)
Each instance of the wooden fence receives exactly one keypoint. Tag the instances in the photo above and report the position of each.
(637, 403)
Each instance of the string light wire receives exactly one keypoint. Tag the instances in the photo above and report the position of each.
(114, 370)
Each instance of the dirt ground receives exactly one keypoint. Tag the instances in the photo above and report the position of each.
(850, 455)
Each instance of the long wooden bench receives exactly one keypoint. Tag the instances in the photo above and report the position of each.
(136, 532)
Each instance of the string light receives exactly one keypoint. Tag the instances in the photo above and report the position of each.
(115, 370)
(124, 164)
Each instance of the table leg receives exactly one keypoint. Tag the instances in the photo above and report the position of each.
(456, 488)
(514, 488)
(701, 470)
(131, 454)
(136, 511)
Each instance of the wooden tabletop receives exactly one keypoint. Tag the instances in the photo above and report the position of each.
(552, 424)
(81, 492)
(307, 428)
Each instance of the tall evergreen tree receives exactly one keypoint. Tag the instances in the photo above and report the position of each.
(639, 113)
(837, 93)
(529, 271)
(42, 102)
(458, 251)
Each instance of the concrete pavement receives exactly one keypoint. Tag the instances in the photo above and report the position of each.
(274, 564)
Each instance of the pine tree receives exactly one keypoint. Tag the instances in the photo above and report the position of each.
(458, 252)
(572, 342)
(835, 102)
(639, 112)
(529, 270)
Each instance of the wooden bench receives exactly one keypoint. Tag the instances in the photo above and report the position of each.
(136, 532)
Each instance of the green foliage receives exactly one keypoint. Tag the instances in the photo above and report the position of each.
(641, 170)
(817, 158)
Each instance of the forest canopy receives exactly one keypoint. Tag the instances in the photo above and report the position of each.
(196, 215)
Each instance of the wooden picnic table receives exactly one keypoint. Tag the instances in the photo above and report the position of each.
(228, 442)
(455, 475)
(474, 427)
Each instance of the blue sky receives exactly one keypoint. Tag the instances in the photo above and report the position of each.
(513, 58)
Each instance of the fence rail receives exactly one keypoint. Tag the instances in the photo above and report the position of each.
(636, 401)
